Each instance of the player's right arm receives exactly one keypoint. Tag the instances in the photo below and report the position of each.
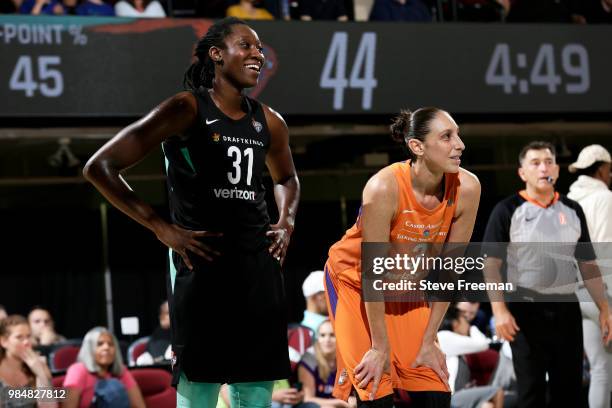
(172, 117)
(379, 205)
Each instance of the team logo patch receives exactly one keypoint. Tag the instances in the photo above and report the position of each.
(257, 126)
(426, 233)
(562, 219)
(215, 137)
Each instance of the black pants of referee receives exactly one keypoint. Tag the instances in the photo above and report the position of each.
(549, 341)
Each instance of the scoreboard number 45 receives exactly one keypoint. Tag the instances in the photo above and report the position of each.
(48, 80)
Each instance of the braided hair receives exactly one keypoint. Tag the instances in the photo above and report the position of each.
(202, 72)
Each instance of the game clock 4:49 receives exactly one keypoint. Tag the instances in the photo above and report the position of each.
(541, 70)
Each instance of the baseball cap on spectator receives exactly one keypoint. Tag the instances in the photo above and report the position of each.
(313, 284)
(590, 155)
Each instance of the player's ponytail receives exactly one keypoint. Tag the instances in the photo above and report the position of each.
(412, 125)
(202, 72)
(399, 127)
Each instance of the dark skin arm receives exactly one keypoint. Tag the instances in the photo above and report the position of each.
(286, 184)
(127, 148)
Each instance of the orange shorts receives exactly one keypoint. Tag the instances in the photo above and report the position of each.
(406, 323)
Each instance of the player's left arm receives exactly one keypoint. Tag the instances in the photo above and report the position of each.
(460, 231)
(467, 206)
(286, 184)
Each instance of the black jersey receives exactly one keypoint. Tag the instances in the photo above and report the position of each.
(215, 174)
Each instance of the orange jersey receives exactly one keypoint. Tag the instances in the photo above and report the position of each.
(411, 223)
(405, 322)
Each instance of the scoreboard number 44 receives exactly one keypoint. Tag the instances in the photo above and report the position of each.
(334, 77)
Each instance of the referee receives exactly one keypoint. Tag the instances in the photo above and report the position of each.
(543, 320)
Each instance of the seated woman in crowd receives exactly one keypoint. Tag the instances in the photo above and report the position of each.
(20, 366)
(99, 373)
(139, 8)
(248, 10)
(317, 372)
(43, 328)
(36, 7)
(159, 350)
(457, 338)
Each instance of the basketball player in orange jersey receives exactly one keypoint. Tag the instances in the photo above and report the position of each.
(428, 198)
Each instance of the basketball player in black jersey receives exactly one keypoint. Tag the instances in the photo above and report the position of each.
(227, 302)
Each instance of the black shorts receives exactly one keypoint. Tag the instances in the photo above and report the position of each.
(228, 319)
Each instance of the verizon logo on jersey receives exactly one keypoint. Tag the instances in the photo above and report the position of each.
(234, 193)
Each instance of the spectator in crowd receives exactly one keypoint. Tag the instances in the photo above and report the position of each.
(248, 10)
(313, 289)
(286, 396)
(469, 310)
(3, 314)
(139, 8)
(400, 10)
(474, 315)
(99, 373)
(70, 6)
(592, 193)
(323, 10)
(43, 328)
(20, 366)
(317, 372)
(458, 338)
(158, 346)
(9, 6)
(36, 7)
(95, 8)
(543, 323)
(504, 376)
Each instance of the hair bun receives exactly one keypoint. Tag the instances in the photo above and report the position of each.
(401, 125)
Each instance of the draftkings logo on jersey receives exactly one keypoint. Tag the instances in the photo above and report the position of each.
(215, 137)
